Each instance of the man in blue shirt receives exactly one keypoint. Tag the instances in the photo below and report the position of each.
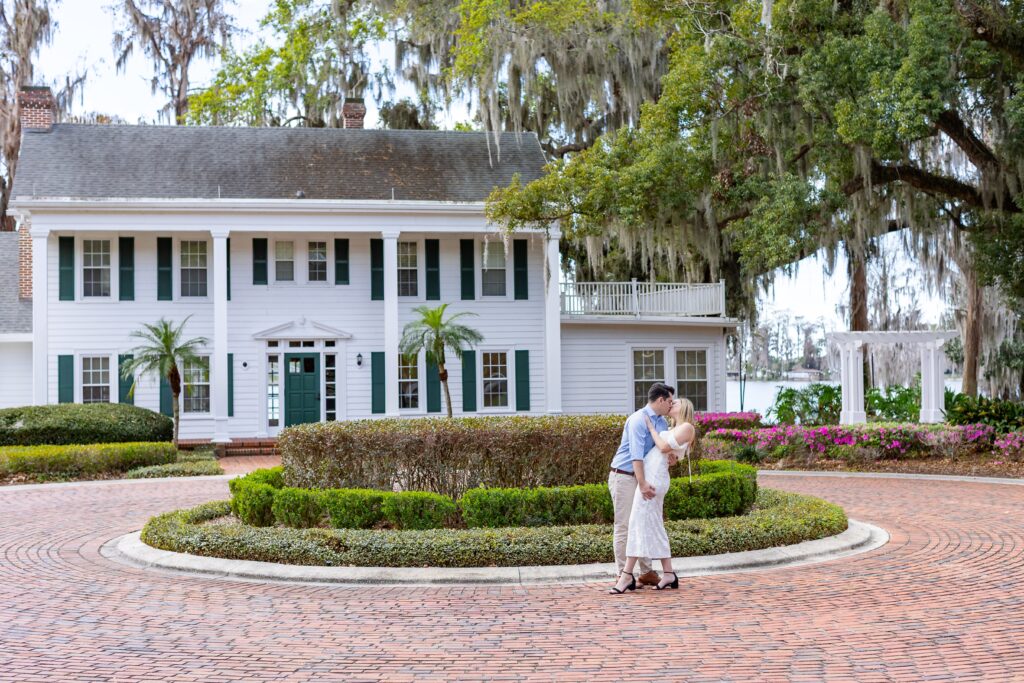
(627, 470)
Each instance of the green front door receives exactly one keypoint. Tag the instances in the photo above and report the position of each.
(301, 388)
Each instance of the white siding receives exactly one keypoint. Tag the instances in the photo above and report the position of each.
(16, 371)
(597, 363)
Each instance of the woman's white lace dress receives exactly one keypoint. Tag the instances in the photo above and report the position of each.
(647, 536)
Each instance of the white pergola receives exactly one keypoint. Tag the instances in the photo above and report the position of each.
(851, 355)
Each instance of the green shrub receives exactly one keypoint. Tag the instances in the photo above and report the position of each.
(489, 508)
(418, 510)
(748, 454)
(253, 502)
(74, 423)
(451, 456)
(197, 456)
(776, 519)
(354, 508)
(894, 403)
(815, 404)
(79, 460)
(189, 468)
(1003, 416)
(297, 508)
(271, 476)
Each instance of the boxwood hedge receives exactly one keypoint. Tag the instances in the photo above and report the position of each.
(80, 460)
(261, 499)
(73, 423)
(777, 518)
(189, 468)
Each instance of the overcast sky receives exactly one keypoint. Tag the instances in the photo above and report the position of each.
(83, 43)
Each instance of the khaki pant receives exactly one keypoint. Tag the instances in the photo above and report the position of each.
(623, 488)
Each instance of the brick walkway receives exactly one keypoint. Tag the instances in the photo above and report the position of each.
(943, 600)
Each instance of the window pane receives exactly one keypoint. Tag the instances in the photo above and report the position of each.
(407, 273)
(495, 380)
(408, 382)
(318, 261)
(284, 262)
(96, 267)
(196, 387)
(193, 268)
(648, 368)
(96, 379)
(273, 391)
(492, 274)
(692, 376)
(493, 282)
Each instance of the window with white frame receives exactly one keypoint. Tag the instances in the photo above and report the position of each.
(330, 387)
(692, 376)
(284, 261)
(408, 382)
(95, 379)
(408, 278)
(273, 389)
(492, 274)
(495, 379)
(317, 258)
(95, 268)
(195, 378)
(193, 268)
(648, 368)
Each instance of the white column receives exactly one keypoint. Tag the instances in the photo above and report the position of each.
(391, 332)
(932, 386)
(857, 413)
(219, 361)
(553, 326)
(844, 383)
(40, 302)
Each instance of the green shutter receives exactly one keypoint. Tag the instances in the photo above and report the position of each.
(124, 385)
(469, 381)
(433, 388)
(522, 380)
(228, 244)
(166, 398)
(65, 378)
(466, 257)
(231, 385)
(519, 270)
(341, 262)
(259, 260)
(66, 268)
(432, 249)
(126, 268)
(164, 257)
(377, 386)
(376, 270)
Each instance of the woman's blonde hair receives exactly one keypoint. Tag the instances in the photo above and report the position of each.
(685, 412)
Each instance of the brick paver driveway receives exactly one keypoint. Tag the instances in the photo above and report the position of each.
(944, 599)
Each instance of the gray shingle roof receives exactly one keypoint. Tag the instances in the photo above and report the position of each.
(98, 161)
(15, 314)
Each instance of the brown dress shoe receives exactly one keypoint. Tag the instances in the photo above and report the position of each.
(651, 578)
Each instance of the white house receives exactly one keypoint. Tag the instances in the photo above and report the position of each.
(300, 254)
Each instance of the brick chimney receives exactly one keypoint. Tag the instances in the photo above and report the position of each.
(24, 262)
(38, 110)
(353, 111)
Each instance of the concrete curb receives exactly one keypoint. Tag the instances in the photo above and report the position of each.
(129, 549)
(894, 475)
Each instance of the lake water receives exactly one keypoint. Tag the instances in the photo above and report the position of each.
(759, 396)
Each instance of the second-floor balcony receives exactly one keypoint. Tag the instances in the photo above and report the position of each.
(643, 299)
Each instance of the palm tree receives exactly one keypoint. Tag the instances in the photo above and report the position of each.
(433, 334)
(164, 352)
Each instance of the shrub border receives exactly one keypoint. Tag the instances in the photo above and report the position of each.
(779, 518)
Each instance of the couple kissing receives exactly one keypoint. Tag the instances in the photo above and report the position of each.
(638, 482)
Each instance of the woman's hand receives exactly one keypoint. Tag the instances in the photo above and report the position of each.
(650, 424)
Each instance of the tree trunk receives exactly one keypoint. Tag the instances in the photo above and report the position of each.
(859, 322)
(177, 417)
(442, 374)
(972, 332)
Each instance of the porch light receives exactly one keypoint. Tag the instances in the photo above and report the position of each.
(359, 359)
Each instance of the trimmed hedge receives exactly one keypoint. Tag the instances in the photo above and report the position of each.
(776, 519)
(1003, 416)
(190, 468)
(78, 460)
(73, 423)
(719, 489)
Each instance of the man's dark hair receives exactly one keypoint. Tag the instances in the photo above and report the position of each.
(659, 390)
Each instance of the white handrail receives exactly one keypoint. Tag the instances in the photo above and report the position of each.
(643, 299)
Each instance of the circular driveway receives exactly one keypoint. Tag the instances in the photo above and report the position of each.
(944, 599)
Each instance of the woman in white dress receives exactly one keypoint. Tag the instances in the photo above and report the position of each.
(647, 535)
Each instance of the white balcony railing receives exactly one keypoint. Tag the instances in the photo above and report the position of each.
(643, 299)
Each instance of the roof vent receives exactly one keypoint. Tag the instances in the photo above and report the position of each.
(300, 195)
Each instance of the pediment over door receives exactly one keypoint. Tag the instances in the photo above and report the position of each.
(303, 328)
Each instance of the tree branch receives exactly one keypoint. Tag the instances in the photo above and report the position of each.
(989, 22)
(950, 123)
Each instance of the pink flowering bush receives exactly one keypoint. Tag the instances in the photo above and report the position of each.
(709, 422)
(877, 440)
(1011, 446)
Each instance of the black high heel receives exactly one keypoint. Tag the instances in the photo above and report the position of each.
(674, 584)
(631, 587)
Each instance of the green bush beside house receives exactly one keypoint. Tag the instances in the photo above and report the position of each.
(80, 460)
(72, 423)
